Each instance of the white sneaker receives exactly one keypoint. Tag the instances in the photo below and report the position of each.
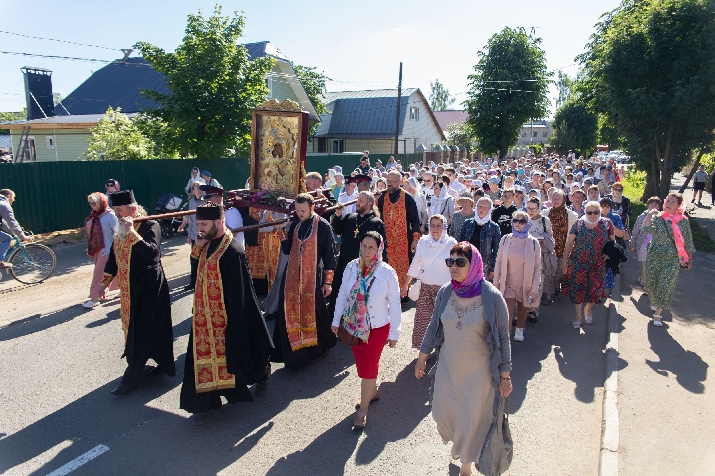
(89, 304)
(519, 334)
(652, 307)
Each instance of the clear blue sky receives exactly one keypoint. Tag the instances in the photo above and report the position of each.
(358, 44)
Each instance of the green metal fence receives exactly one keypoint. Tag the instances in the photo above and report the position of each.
(52, 196)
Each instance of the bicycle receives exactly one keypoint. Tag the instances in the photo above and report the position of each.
(32, 263)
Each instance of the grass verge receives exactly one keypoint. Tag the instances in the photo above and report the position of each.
(701, 238)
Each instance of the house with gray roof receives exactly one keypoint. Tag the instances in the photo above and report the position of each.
(62, 135)
(365, 120)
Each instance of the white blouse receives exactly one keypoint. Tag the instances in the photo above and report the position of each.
(383, 300)
(437, 273)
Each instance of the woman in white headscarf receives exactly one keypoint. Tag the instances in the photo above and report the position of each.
(194, 177)
(442, 203)
(429, 267)
(413, 187)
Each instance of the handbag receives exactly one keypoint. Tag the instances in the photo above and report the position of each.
(498, 449)
(414, 292)
(345, 335)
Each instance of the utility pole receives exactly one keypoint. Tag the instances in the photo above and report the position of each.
(397, 114)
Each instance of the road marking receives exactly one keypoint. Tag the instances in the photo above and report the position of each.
(77, 462)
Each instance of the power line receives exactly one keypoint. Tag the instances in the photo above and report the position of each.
(60, 41)
(55, 57)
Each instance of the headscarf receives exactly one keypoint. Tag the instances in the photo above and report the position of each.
(95, 235)
(524, 231)
(440, 203)
(472, 284)
(674, 219)
(487, 217)
(431, 242)
(356, 319)
(415, 185)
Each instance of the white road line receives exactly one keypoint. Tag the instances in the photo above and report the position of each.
(77, 462)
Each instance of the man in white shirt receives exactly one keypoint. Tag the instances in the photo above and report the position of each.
(428, 187)
(350, 193)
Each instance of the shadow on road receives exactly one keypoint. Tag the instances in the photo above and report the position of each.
(689, 368)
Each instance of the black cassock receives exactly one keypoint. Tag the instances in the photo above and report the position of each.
(326, 262)
(345, 226)
(149, 335)
(248, 342)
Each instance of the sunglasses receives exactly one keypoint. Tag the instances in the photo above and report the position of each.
(520, 221)
(460, 262)
(593, 213)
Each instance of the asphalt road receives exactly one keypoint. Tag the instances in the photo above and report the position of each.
(57, 371)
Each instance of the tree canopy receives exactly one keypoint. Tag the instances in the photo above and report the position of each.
(509, 87)
(460, 134)
(575, 128)
(116, 137)
(314, 85)
(439, 97)
(213, 87)
(649, 68)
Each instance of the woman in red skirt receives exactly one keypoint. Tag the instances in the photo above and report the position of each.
(368, 306)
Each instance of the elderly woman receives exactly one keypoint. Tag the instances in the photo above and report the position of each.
(465, 201)
(639, 240)
(368, 307)
(381, 184)
(189, 222)
(471, 324)
(670, 249)
(483, 233)
(442, 203)
(562, 219)
(100, 226)
(428, 266)
(413, 187)
(193, 178)
(540, 228)
(585, 262)
(517, 273)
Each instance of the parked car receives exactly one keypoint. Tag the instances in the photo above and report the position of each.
(623, 159)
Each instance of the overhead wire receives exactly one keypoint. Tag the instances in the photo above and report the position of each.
(60, 41)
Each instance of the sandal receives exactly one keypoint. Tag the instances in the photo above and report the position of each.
(359, 423)
(373, 399)
(588, 319)
(658, 322)
(576, 324)
(546, 302)
(532, 316)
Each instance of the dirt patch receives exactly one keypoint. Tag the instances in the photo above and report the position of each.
(64, 237)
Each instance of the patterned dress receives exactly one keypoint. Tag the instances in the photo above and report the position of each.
(587, 268)
(661, 266)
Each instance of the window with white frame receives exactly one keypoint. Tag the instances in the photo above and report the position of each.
(338, 146)
(414, 114)
(50, 141)
(546, 133)
(269, 85)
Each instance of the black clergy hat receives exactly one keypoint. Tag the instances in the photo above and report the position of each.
(123, 197)
(210, 190)
(209, 211)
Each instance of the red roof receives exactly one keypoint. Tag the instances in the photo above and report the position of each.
(445, 118)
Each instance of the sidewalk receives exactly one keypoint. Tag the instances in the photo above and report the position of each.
(705, 213)
(666, 410)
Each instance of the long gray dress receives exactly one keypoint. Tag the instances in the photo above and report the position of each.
(464, 395)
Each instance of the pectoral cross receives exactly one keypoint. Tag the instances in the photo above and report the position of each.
(356, 232)
(391, 216)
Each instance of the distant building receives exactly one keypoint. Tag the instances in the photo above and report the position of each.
(535, 132)
(60, 133)
(447, 118)
(365, 120)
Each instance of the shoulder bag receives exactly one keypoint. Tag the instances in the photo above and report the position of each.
(414, 291)
(344, 335)
(498, 449)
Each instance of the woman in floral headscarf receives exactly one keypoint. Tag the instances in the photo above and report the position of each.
(471, 324)
(671, 248)
(429, 268)
(368, 306)
(99, 225)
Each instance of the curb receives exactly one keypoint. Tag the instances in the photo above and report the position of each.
(46, 312)
(610, 425)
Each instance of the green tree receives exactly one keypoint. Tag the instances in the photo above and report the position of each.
(116, 137)
(213, 85)
(314, 85)
(439, 97)
(564, 89)
(12, 116)
(575, 128)
(509, 87)
(607, 133)
(649, 67)
(460, 134)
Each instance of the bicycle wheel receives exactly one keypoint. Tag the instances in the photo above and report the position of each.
(32, 263)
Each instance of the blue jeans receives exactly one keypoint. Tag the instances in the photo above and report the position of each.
(4, 243)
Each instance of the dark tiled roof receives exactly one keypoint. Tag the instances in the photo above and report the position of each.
(370, 93)
(445, 118)
(119, 84)
(366, 116)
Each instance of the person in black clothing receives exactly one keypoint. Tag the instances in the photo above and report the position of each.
(145, 305)
(351, 227)
(364, 166)
(502, 214)
(240, 342)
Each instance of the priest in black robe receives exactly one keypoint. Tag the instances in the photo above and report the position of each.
(302, 331)
(145, 308)
(351, 226)
(233, 354)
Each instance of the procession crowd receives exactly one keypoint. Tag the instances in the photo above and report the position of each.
(480, 246)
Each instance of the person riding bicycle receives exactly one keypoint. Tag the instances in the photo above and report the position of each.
(8, 223)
